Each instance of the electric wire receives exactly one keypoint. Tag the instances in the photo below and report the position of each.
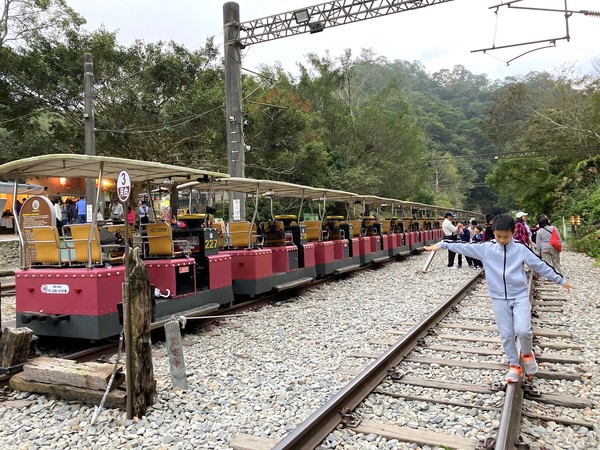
(163, 127)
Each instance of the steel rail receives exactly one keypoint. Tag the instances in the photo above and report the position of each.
(317, 427)
(510, 420)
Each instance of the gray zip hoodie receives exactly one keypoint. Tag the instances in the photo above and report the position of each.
(503, 266)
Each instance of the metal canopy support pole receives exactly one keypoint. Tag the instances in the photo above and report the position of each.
(301, 205)
(254, 216)
(236, 159)
(322, 211)
(94, 221)
(22, 258)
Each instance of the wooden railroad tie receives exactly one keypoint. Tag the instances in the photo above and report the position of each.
(85, 382)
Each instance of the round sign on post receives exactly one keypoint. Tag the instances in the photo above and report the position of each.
(123, 192)
(123, 186)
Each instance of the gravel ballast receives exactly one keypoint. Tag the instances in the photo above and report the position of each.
(265, 372)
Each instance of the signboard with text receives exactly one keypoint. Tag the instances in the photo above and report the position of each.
(123, 186)
(37, 211)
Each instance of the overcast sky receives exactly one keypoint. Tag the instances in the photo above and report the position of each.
(440, 36)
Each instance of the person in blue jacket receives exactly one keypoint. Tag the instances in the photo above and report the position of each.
(503, 259)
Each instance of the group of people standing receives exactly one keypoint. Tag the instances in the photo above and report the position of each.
(117, 210)
(536, 238)
(471, 233)
(73, 211)
(510, 248)
(69, 211)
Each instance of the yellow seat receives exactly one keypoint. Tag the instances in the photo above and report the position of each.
(119, 228)
(356, 227)
(332, 226)
(274, 232)
(385, 226)
(44, 245)
(314, 230)
(159, 237)
(241, 235)
(114, 229)
(86, 242)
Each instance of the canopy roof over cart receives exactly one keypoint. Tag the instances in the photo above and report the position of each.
(22, 188)
(278, 188)
(87, 166)
(252, 186)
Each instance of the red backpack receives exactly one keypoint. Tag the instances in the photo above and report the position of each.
(555, 240)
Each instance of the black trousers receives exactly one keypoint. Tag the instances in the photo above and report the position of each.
(451, 254)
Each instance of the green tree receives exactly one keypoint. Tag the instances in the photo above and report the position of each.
(283, 132)
(544, 119)
(21, 19)
(153, 101)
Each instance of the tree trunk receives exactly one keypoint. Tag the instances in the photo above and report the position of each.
(142, 373)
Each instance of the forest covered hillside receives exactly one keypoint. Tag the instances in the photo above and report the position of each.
(351, 122)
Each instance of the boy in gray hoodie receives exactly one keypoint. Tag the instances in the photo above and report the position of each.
(503, 260)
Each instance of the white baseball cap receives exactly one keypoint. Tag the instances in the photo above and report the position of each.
(521, 214)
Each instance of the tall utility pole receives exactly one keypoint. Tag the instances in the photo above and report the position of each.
(89, 124)
(311, 19)
(236, 159)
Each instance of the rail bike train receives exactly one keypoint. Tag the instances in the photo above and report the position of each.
(70, 285)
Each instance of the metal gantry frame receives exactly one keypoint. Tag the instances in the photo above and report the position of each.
(316, 18)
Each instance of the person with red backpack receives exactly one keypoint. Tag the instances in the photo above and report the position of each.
(544, 242)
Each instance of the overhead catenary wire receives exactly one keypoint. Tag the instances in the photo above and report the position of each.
(518, 153)
(163, 127)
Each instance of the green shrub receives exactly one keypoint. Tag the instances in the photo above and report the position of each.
(587, 243)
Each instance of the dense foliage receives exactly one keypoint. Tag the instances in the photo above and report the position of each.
(358, 123)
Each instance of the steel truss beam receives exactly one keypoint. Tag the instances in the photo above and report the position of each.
(324, 15)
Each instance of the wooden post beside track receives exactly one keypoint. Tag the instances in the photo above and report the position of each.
(14, 348)
(137, 302)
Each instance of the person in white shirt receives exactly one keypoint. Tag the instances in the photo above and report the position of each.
(143, 210)
(450, 234)
(116, 213)
(58, 214)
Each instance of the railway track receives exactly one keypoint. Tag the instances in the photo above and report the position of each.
(441, 384)
(427, 371)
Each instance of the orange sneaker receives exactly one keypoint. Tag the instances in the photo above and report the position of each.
(514, 373)
(529, 363)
